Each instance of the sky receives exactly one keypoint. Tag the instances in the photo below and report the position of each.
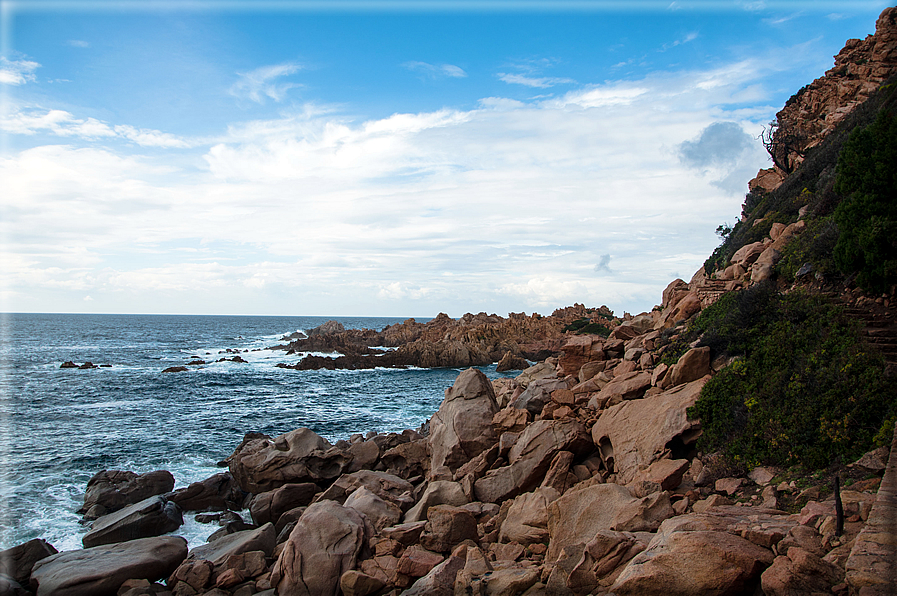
(373, 158)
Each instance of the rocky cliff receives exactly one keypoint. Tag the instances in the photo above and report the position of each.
(814, 111)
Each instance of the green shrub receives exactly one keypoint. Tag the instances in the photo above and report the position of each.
(867, 216)
(805, 389)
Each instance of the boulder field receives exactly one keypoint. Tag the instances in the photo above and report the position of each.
(577, 477)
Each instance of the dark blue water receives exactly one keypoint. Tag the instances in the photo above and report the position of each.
(58, 427)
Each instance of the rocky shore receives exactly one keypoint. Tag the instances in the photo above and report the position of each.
(579, 476)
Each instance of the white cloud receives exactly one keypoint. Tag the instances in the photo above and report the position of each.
(262, 82)
(17, 72)
(509, 206)
(538, 82)
(65, 124)
(78, 43)
(435, 71)
(688, 38)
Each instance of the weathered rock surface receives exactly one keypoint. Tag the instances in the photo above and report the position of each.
(153, 516)
(328, 541)
(527, 518)
(632, 435)
(698, 562)
(576, 517)
(380, 512)
(101, 570)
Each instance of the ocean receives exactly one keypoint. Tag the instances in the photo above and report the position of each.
(58, 427)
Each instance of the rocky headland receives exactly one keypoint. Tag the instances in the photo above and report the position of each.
(582, 475)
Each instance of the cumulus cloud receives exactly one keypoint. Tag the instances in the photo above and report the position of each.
(262, 82)
(435, 71)
(17, 72)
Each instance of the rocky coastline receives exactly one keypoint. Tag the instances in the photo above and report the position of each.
(579, 476)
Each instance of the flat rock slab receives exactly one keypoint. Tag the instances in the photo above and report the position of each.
(101, 570)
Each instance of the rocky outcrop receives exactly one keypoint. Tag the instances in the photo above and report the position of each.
(100, 571)
(811, 114)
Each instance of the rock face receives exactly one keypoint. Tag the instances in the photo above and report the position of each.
(326, 542)
(151, 517)
(633, 434)
(261, 464)
(462, 428)
(114, 489)
(100, 571)
(219, 550)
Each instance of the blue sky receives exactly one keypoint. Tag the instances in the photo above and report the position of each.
(374, 158)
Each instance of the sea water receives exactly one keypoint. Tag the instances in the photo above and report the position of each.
(59, 427)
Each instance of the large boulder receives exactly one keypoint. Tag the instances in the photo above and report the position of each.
(462, 427)
(578, 350)
(328, 540)
(631, 385)
(261, 464)
(530, 458)
(151, 517)
(576, 517)
(446, 527)
(633, 434)
(218, 492)
(269, 506)
(691, 366)
(440, 581)
(386, 486)
(688, 305)
(114, 489)
(101, 570)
